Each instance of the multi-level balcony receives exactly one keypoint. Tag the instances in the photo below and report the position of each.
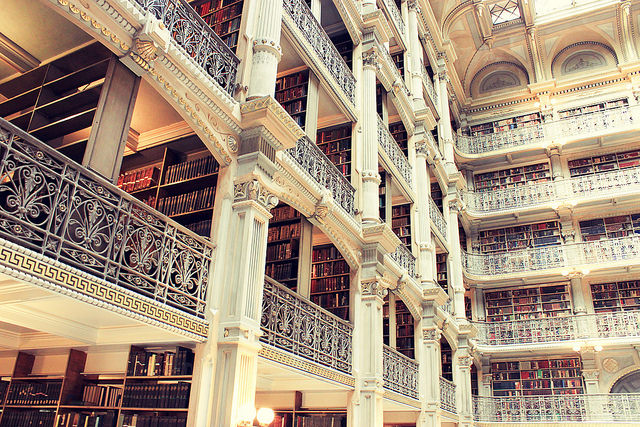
(393, 157)
(448, 396)
(437, 219)
(400, 373)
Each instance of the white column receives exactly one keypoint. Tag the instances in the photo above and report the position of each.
(429, 358)
(426, 255)
(415, 52)
(462, 379)
(556, 166)
(370, 175)
(446, 133)
(454, 264)
(266, 49)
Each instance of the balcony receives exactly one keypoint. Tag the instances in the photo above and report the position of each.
(593, 255)
(296, 325)
(400, 373)
(609, 408)
(390, 8)
(571, 191)
(427, 83)
(405, 260)
(196, 39)
(564, 130)
(135, 259)
(394, 154)
(437, 218)
(447, 395)
(624, 324)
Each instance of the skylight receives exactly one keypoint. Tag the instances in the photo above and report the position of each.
(503, 11)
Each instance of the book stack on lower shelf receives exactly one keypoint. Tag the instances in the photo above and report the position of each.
(611, 227)
(330, 280)
(520, 237)
(594, 108)
(405, 329)
(509, 178)
(308, 418)
(335, 142)
(616, 296)
(291, 93)
(283, 245)
(607, 162)
(401, 223)
(527, 303)
(505, 124)
(537, 377)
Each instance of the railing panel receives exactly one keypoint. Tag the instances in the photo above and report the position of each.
(448, 395)
(496, 141)
(55, 207)
(428, 84)
(397, 157)
(396, 17)
(617, 325)
(400, 373)
(292, 323)
(405, 259)
(197, 39)
(530, 331)
(437, 218)
(525, 260)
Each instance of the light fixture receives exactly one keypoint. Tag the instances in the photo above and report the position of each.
(265, 416)
(597, 347)
(577, 347)
(246, 415)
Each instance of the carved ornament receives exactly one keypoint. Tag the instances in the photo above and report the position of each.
(254, 191)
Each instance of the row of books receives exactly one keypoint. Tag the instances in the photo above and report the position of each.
(214, 15)
(187, 202)
(334, 134)
(226, 27)
(284, 250)
(203, 228)
(291, 80)
(11, 418)
(139, 179)
(284, 212)
(283, 232)
(231, 40)
(34, 393)
(399, 222)
(155, 420)
(326, 253)
(400, 210)
(147, 363)
(336, 300)
(101, 395)
(329, 268)
(294, 92)
(191, 169)
(161, 395)
(593, 108)
(149, 200)
(295, 107)
(335, 147)
(282, 270)
(206, 6)
(339, 158)
(86, 419)
(4, 385)
(330, 284)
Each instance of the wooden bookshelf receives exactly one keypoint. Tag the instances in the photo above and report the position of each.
(537, 377)
(291, 93)
(446, 356)
(57, 102)
(223, 16)
(335, 142)
(610, 227)
(519, 237)
(344, 45)
(509, 178)
(598, 164)
(382, 196)
(330, 280)
(533, 302)
(474, 380)
(283, 245)
(398, 60)
(405, 329)
(399, 133)
(468, 307)
(379, 99)
(309, 418)
(386, 320)
(436, 195)
(616, 296)
(593, 108)
(505, 124)
(401, 223)
(441, 271)
(178, 179)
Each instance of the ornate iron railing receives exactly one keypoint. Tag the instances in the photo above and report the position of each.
(197, 39)
(395, 154)
(447, 307)
(571, 190)
(292, 323)
(394, 13)
(324, 172)
(55, 207)
(394, 69)
(400, 373)
(621, 324)
(405, 260)
(428, 85)
(618, 407)
(437, 218)
(448, 395)
(569, 128)
(322, 45)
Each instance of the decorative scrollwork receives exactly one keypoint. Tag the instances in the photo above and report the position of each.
(395, 154)
(448, 395)
(400, 373)
(373, 287)
(405, 259)
(254, 190)
(437, 218)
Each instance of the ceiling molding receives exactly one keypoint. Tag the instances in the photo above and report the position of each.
(15, 56)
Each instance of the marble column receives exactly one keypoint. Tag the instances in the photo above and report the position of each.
(266, 49)
(415, 51)
(369, 118)
(426, 254)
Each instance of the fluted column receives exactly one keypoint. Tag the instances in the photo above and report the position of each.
(446, 133)
(266, 49)
(426, 253)
(370, 175)
(429, 367)
(415, 51)
(553, 152)
(454, 267)
(462, 378)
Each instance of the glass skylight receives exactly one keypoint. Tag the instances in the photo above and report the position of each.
(503, 11)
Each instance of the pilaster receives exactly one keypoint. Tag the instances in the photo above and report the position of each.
(426, 254)
(415, 52)
(462, 378)
(266, 49)
(429, 359)
(370, 175)
(454, 260)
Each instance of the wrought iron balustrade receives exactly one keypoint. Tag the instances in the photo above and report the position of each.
(447, 395)
(394, 13)
(437, 218)
(311, 159)
(395, 154)
(400, 373)
(294, 324)
(57, 208)
(394, 69)
(428, 85)
(405, 259)
(519, 261)
(622, 324)
(479, 144)
(609, 408)
(197, 39)
(322, 45)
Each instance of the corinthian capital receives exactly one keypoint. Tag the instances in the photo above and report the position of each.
(373, 287)
(370, 59)
(254, 191)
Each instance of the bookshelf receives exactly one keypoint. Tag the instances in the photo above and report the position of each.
(598, 164)
(505, 124)
(398, 60)
(446, 357)
(382, 195)
(509, 178)
(223, 16)
(344, 45)
(335, 142)
(330, 281)
(593, 108)
(386, 327)
(467, 307)
(441, 271)
(400, 135)
(405, 329)
(474, 380)
(401, 223)
(283, 245)
(309, 418)
(610, 227)
(178, 179)
(436, 195)
(616, 296)
(519, 237)
(291, 93)
(57, 102)
(534, 302)
(379, 99)
(537, 377)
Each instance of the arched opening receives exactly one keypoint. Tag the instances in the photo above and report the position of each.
(629, 383)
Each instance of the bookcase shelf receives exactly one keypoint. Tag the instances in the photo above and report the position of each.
(441, 271)
(405, 325)
(610, 227)
(401, 223)
(283, 245)
(519, 237)
(178, 179)
(379, 99)
(330, 280)
(537, 377)
(291, 93)
(534, 302)
(386, 321)
(382, 196)
(58, 100)
(468, 307)
(399, 133)
(509, 178)
(309, 418)
(344, 45)
(398, 60)
(446, 356)
(436, 194)
(598, 164)
(505, 124)
(223, 16)
(335, 142)
(616, 296)
(593, 108)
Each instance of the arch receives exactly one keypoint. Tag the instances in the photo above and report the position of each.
(499, 76)
(627, 383)
(454, 14)
(581, 56)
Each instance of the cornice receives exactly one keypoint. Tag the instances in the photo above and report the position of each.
(268, 112)
(381, 234)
